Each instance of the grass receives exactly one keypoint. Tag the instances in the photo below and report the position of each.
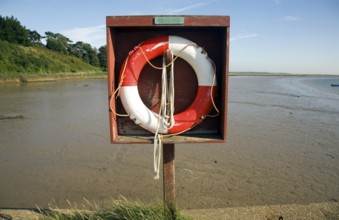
(121, 209)
(17, 60)
(32, 64)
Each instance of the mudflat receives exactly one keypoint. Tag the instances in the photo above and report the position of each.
(282, 148)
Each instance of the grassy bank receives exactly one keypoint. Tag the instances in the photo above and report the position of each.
(18, 63)
(116, 210)
(17, 78)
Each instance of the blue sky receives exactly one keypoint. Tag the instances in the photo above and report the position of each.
(293, 36)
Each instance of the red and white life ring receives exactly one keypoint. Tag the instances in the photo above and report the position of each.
(152, 48)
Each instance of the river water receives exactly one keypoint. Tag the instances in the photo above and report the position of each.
(282, 147)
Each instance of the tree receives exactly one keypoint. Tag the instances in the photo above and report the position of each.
(85, 52)
(12, 31)
(55, 45)
(57, 42)
(92, 55)
(35, 38)
(102, 55)
(76, 49)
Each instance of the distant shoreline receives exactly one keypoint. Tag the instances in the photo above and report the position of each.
(26, 78)
(274, 74)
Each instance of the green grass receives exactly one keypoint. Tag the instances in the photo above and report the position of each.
(116, 210)
(17, 60)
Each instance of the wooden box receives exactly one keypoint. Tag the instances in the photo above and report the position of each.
(209, 32)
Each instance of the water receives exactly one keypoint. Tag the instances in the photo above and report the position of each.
(67, 109)
(282, 147)
(324, 84)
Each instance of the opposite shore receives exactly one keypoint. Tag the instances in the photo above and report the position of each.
(26, 78)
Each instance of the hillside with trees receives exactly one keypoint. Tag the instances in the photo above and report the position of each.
(22, 52)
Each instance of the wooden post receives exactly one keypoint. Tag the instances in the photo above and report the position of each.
(169, 177)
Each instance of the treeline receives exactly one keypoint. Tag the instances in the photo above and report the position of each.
(13, 32)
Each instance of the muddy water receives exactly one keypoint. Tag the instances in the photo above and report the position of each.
(282, 147)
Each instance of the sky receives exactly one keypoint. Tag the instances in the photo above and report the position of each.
(282, 36)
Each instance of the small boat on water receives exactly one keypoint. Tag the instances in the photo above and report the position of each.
(335, 85)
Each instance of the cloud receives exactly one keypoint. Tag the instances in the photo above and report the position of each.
(186, 8)
(96, 35)
(242, 36)
(290, 18)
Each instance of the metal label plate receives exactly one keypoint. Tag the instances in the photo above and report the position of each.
(169, 20)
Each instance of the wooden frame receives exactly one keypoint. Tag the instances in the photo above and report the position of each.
(210, 32)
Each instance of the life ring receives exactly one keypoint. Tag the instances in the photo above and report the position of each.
(152, 48)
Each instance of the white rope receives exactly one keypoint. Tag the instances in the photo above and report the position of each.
(167, 96)
(166, 112)
(157, 154)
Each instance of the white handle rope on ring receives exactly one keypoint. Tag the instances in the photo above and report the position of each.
(166, 113)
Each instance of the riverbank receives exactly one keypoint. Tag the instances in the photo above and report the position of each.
(24, 78)
(312, 211)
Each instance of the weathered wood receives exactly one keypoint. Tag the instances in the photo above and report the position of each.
(180, 139)
(147, 21)
(169, 177)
